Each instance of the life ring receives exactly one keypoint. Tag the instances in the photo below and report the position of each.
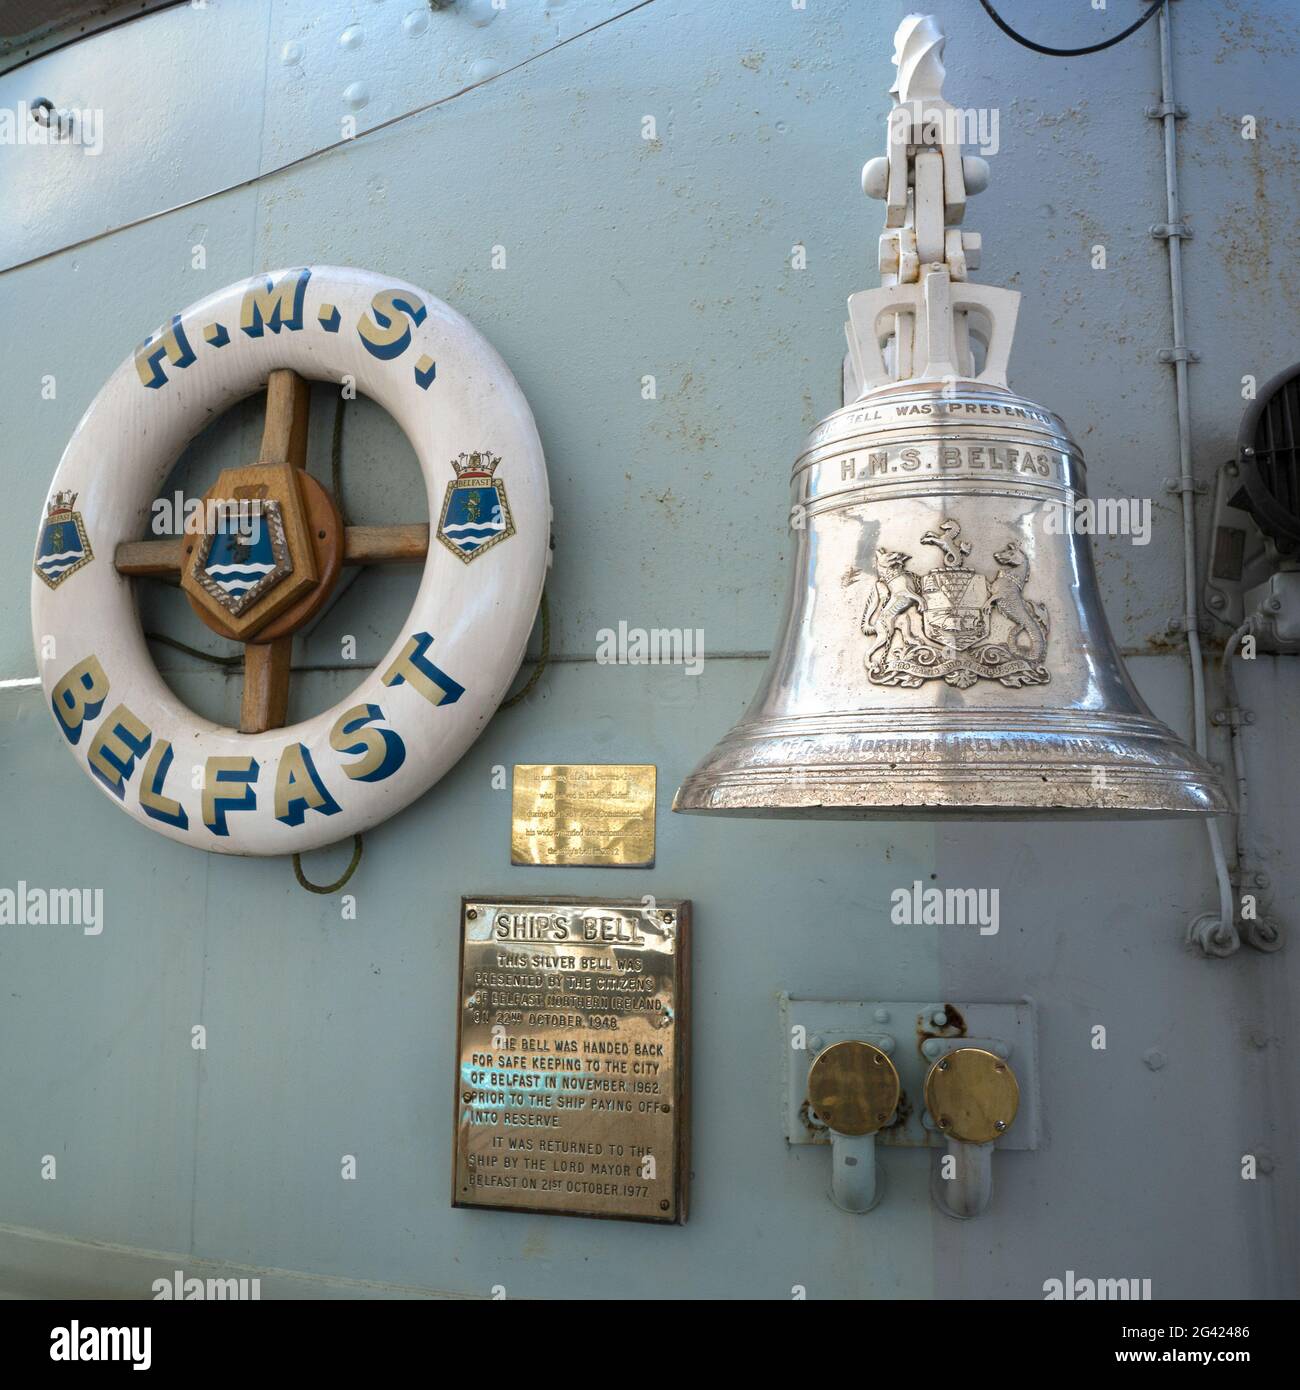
(317, 782)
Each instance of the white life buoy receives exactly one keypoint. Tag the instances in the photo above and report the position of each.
(407, 723)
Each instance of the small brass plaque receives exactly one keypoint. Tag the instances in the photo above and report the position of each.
(571, 1084)
(600, 814)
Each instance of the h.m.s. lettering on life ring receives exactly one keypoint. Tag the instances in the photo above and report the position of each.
(268, 551)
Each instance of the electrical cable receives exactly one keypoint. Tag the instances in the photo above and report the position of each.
(1068, 52)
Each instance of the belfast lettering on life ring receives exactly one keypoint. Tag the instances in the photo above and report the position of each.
(319, 781)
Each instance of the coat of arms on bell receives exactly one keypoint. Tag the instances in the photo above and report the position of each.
(952, 622)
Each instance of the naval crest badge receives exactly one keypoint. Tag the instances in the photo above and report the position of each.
(245, 554)
(475, 513)
(954, 623)
(63, 546)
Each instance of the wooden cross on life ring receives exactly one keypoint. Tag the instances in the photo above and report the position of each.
(301, 524)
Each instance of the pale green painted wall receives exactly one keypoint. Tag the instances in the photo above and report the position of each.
(626, 258)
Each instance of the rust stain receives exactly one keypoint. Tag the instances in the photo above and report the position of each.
(901, 1115)
(954, 1026)
(1239, 30)
(806, 1119)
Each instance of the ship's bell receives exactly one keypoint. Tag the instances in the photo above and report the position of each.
(944, 651)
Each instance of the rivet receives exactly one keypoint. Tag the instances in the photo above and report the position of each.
(480, 12)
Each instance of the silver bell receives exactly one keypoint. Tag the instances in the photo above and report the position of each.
(943, 650)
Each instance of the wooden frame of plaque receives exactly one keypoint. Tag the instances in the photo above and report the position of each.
(572, 1077)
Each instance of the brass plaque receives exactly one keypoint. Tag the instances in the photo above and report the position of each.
(571, 1084)
(600, 814)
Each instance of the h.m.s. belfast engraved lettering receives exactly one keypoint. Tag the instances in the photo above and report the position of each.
(571, 1087)
(943, 649)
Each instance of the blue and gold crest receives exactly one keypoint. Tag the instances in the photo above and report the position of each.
(63, 546)
(475, 514)
(244, 555)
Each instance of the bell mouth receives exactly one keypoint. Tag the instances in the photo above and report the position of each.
(1074, 767)
(966, 812)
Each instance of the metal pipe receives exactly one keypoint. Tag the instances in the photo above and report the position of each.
(855, 1183)
(1263, 933)
(1234, 716)
(1215, 938)
(970, 1190)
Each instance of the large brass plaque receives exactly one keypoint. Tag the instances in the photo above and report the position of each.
(600, 814)
(571, 1083)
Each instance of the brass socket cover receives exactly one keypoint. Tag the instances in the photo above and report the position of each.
(853, 1088)
(972, 1095)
